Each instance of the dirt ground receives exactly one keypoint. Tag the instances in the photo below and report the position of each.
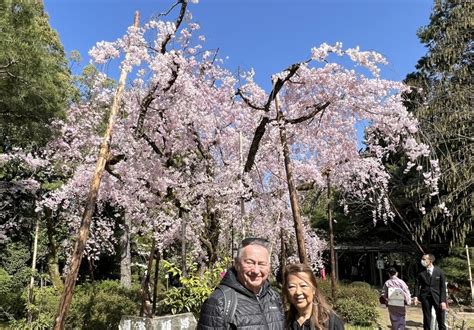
(414, 318)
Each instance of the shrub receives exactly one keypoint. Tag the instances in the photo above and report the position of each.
(101, 305)
(356, 312)
(11, 303)
(194, 289)
(455, 267)
(356, 304)
(98, 305)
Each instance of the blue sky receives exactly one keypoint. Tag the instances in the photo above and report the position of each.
(267, 35)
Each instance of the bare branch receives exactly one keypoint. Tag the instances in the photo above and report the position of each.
(152, 144)
(292, 69)
(150, 97)
(247, 101)
(260, 131)
(257, 137)
(317, 108)
(179, 20)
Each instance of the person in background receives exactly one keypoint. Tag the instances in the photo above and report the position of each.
(430, 290)
(396, 295)
(306, 307)
(255, 304)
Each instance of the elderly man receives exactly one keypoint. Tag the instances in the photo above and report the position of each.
(430, 290)
(244, 298)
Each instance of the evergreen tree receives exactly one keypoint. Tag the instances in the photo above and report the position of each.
(442, 103)
(35, 82)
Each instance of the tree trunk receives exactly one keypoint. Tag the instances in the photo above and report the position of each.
(183, 216)
(331, 239)
(83, 234)
(145, 291)
(282, 251)
(295, 208)
(155, 282)
(52, 257)
(125, 256)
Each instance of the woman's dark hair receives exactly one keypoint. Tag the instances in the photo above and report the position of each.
(321, 309)
(392, 271)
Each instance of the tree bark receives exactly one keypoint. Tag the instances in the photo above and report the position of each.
(183, 217)
(125, 255)
(52, 257)
(295, 208)
(155, 281)
(331, 239)
(83, 234)
(145, 291)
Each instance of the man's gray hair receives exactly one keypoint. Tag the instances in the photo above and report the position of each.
(254, 241)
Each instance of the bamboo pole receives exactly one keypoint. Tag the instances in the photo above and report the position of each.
(470, 274)
(295, 208)
(83, 234)
(33, 270)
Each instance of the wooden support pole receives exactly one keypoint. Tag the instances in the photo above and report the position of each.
(83, 234)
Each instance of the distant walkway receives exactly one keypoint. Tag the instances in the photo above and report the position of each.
(415, 318)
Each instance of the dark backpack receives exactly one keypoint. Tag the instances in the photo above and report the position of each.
(230, 304)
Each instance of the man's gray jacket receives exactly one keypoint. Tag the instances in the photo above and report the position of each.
(262, 311)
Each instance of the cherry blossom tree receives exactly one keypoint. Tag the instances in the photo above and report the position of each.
(174, 157)
(173, 170)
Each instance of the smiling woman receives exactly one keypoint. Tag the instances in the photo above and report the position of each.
(306, 307)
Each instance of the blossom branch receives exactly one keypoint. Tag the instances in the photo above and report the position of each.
(179, 20)
(317, 108)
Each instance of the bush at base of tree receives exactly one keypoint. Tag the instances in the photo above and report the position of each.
(456, 270)
(95, 306)
(356, 304)
(194, 289)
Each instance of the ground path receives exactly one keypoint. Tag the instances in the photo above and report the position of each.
(414, 318)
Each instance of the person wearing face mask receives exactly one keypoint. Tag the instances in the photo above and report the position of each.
(430, 290)
(306, 307)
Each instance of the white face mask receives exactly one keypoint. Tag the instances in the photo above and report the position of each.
(424, 263)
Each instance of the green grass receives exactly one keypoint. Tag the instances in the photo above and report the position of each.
(355, 327)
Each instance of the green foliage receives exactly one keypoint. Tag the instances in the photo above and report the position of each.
(442, 103)
(11, 303)
(101, 305)
(356, 304)
(456, 269)
(94, 306)
(194, 290)
(35, 82)
(356, 312)
(14, 261)
(14, 277)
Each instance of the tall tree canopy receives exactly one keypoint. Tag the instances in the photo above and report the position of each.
(35, 82)
(443, 104)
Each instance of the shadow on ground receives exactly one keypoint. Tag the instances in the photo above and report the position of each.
(414, 324)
